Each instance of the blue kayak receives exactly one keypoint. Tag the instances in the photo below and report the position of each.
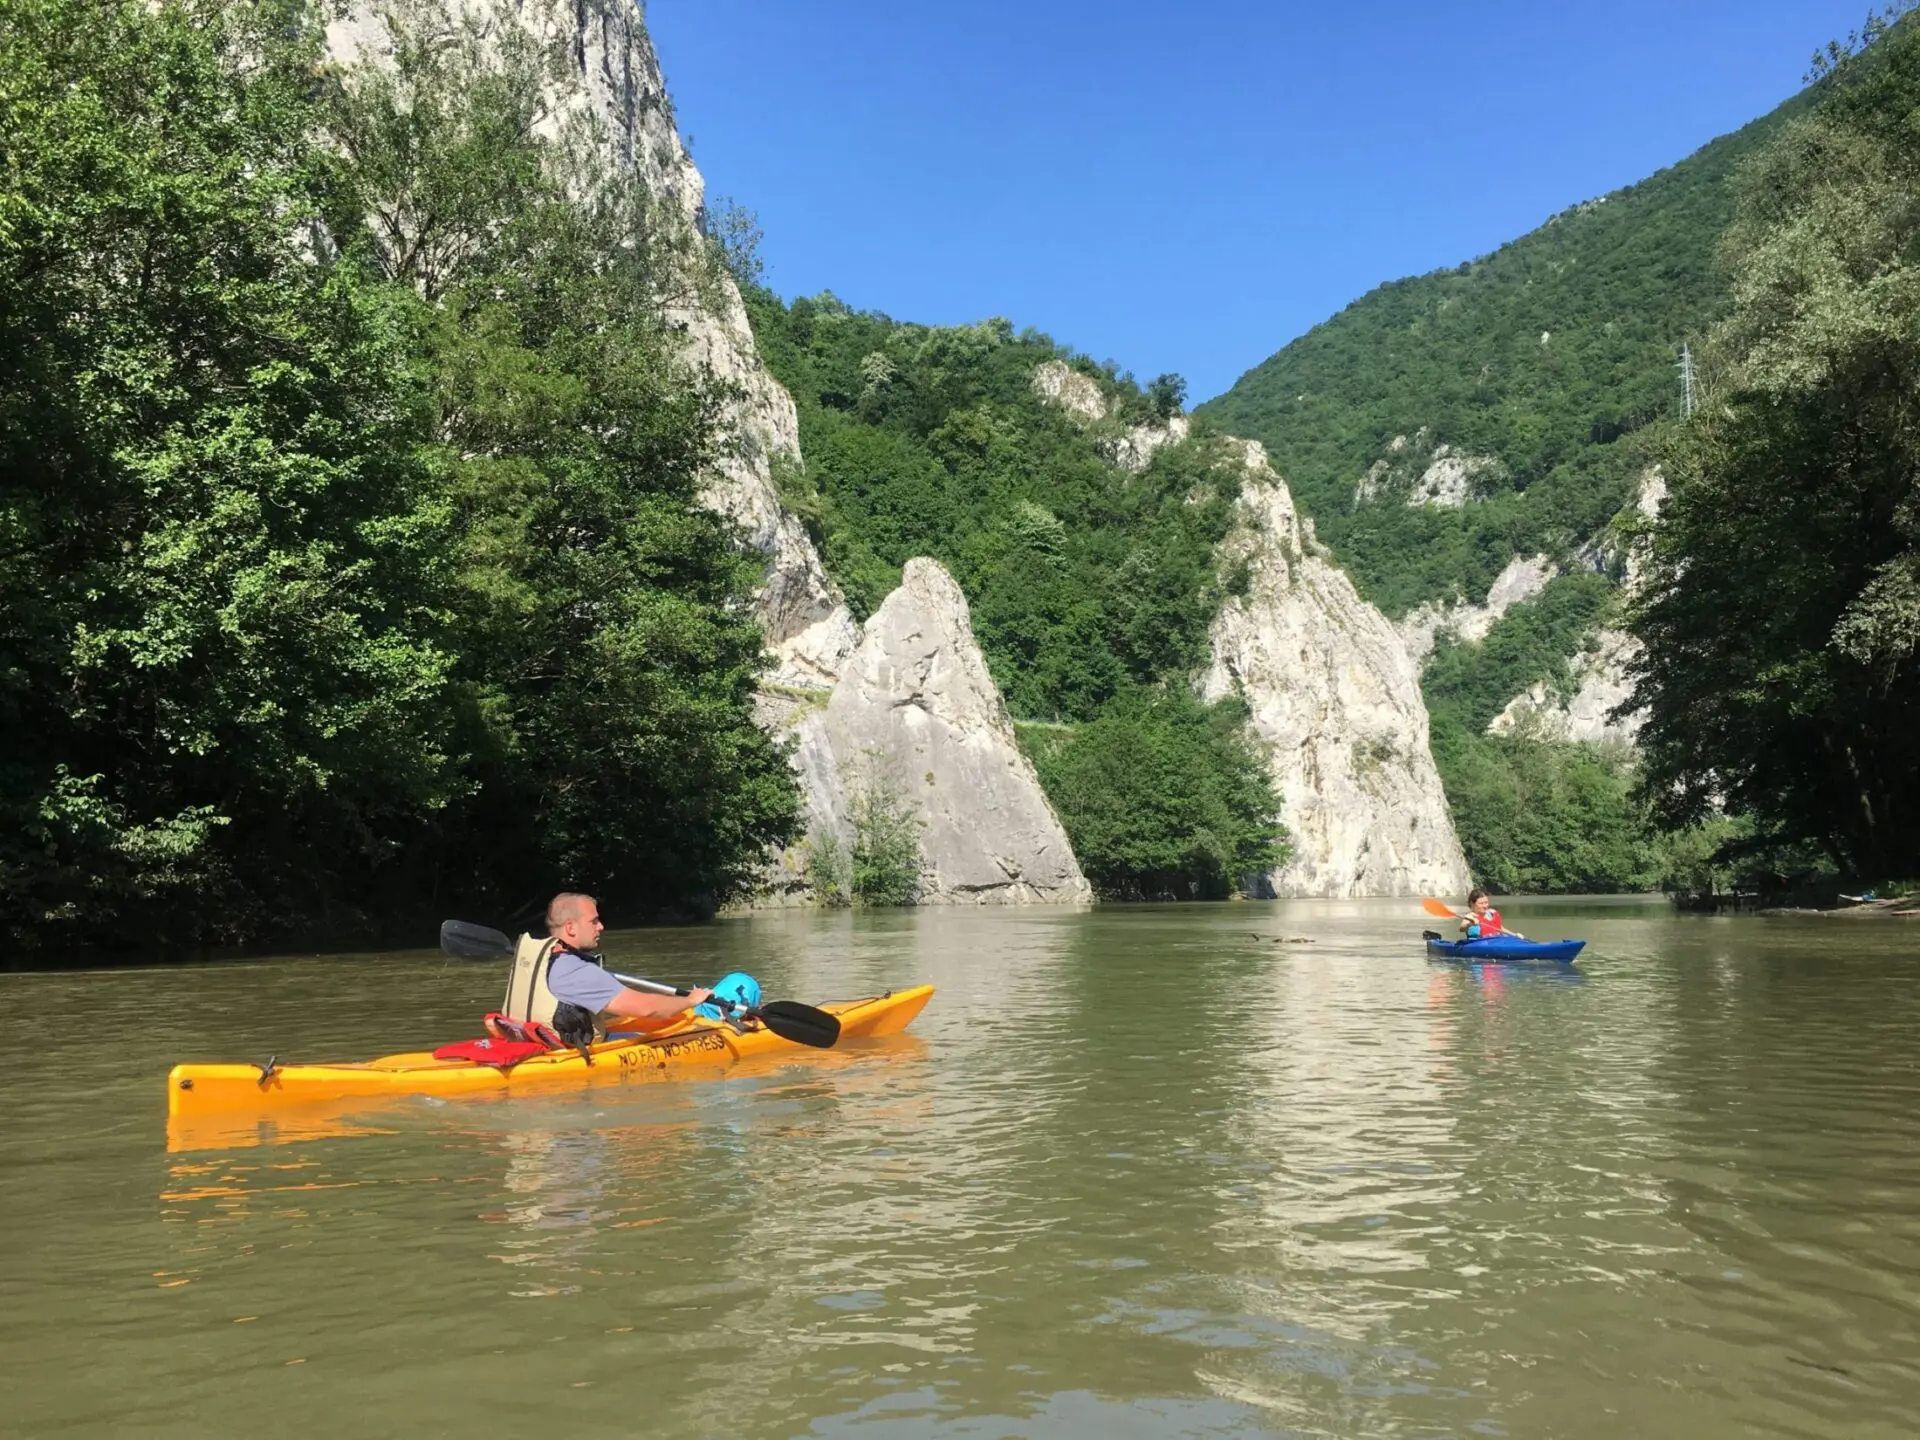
(1505, 947)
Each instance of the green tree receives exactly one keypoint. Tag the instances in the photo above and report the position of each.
(606, 658)
(353, 562)
(884, 865)
(1782, 622)
(223, 658)
(1164, 798)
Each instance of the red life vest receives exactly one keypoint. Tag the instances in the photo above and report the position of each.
(1488, 924)
(501, 1054)
(507, 1043)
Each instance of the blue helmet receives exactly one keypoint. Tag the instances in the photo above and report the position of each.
(739, 987)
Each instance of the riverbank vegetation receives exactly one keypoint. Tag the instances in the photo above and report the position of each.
(1091, 587)
(1782, 623)
(352, 562)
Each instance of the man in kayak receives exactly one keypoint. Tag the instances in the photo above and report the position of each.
(1482, 921)
(577, 978)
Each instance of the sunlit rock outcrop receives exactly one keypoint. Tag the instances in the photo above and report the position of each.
(1600, 685)
(1335, 697)
(1523, 579)
(1600, 673)
(916, 716)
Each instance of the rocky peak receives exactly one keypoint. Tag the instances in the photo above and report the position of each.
(917, 712)
(1333, 691)
(1079, 395)
(1335, 697)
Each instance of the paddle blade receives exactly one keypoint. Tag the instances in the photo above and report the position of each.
(802, 1024)
(474, 942)
(1434, 907)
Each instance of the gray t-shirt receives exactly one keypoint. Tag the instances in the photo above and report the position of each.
(581, 982)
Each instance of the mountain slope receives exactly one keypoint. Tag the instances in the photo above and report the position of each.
(1524, 374)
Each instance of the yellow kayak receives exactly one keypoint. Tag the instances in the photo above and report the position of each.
(689, 1044)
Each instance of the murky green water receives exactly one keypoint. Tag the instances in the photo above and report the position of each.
(1135, 1172)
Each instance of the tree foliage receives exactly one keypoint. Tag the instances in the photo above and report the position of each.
(1534, 813)
(1164, 798)
(346, 496)
(1083, 579)
(1781, 676)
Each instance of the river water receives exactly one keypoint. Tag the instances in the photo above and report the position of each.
(1135, 1172)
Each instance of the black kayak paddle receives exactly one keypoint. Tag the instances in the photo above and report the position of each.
(789, 1019)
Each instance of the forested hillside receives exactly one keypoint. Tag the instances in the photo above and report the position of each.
(1530, 388)
(1544, 358)
(1781, 621)
(1091, 588)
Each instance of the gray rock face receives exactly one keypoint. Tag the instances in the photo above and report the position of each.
(1448, 482)
(1523, 579)
(917, 712)
(1073, 392)
(1333, 690)
(618, 86)
(1601, 677)
(1601, 672)
(1335, 696)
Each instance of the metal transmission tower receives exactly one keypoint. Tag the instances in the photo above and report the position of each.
(1686, 382)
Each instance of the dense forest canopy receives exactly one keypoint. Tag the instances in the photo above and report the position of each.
(1782, 626)
(351, 560)
(1092, 587)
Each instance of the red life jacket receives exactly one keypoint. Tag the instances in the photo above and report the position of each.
(1489, 924)
(505, 1027)
(501, 1054)
(508, 1042)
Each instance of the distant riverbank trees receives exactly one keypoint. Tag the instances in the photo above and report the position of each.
(351, 558)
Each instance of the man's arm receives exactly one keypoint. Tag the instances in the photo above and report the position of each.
(638, 1005)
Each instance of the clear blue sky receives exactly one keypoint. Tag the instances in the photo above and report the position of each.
(1188, 187)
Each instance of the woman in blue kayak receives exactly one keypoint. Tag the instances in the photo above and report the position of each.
(1482, 921)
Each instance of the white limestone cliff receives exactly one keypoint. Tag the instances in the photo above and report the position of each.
(1601, 685)
(1524, 578)
(1600, 673)
(917, 713)
(1448, 480)
(1333, 691)
(1080, 396)
(1335, 697)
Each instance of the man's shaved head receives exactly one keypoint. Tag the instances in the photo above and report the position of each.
(567, 906)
